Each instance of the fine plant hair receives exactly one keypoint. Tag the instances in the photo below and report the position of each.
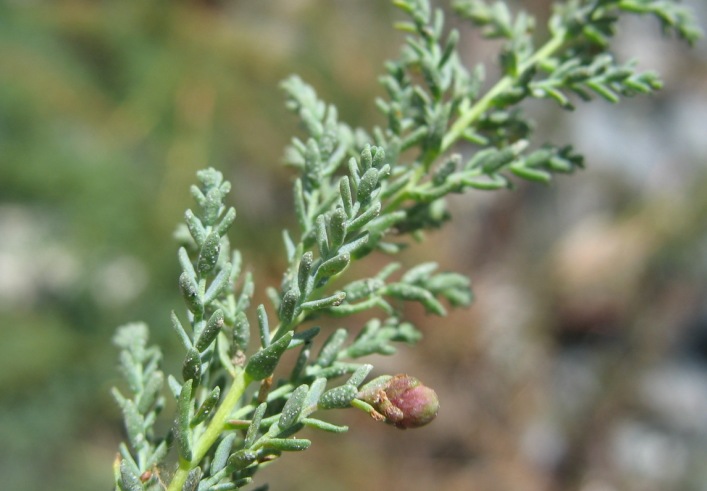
(357, 192)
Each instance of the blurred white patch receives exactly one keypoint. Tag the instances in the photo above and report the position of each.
(543, 444)
(31, 261)
(119, 281)
(677, 393)
(649, 454)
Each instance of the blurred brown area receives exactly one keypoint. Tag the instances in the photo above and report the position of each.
(582, 364)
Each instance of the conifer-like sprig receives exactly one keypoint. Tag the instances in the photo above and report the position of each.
(136, 466)
(357, 192)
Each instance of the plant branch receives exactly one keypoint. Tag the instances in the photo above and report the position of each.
(213, 430)
(478, 109)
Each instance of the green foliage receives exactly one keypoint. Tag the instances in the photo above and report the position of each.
(139, 365)
(357, 193)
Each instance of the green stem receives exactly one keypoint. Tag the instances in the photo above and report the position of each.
(213, 430)
(482, 105)
(398, 198)
(474, 112)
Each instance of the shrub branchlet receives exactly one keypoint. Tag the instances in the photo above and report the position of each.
(357, 192)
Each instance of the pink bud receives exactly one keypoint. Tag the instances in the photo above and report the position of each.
(402, 400)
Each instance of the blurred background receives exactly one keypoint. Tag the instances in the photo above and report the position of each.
(581, 366)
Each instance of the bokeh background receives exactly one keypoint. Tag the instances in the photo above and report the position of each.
(581, 366)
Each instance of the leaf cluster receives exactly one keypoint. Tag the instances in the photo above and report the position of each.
(139, 365)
